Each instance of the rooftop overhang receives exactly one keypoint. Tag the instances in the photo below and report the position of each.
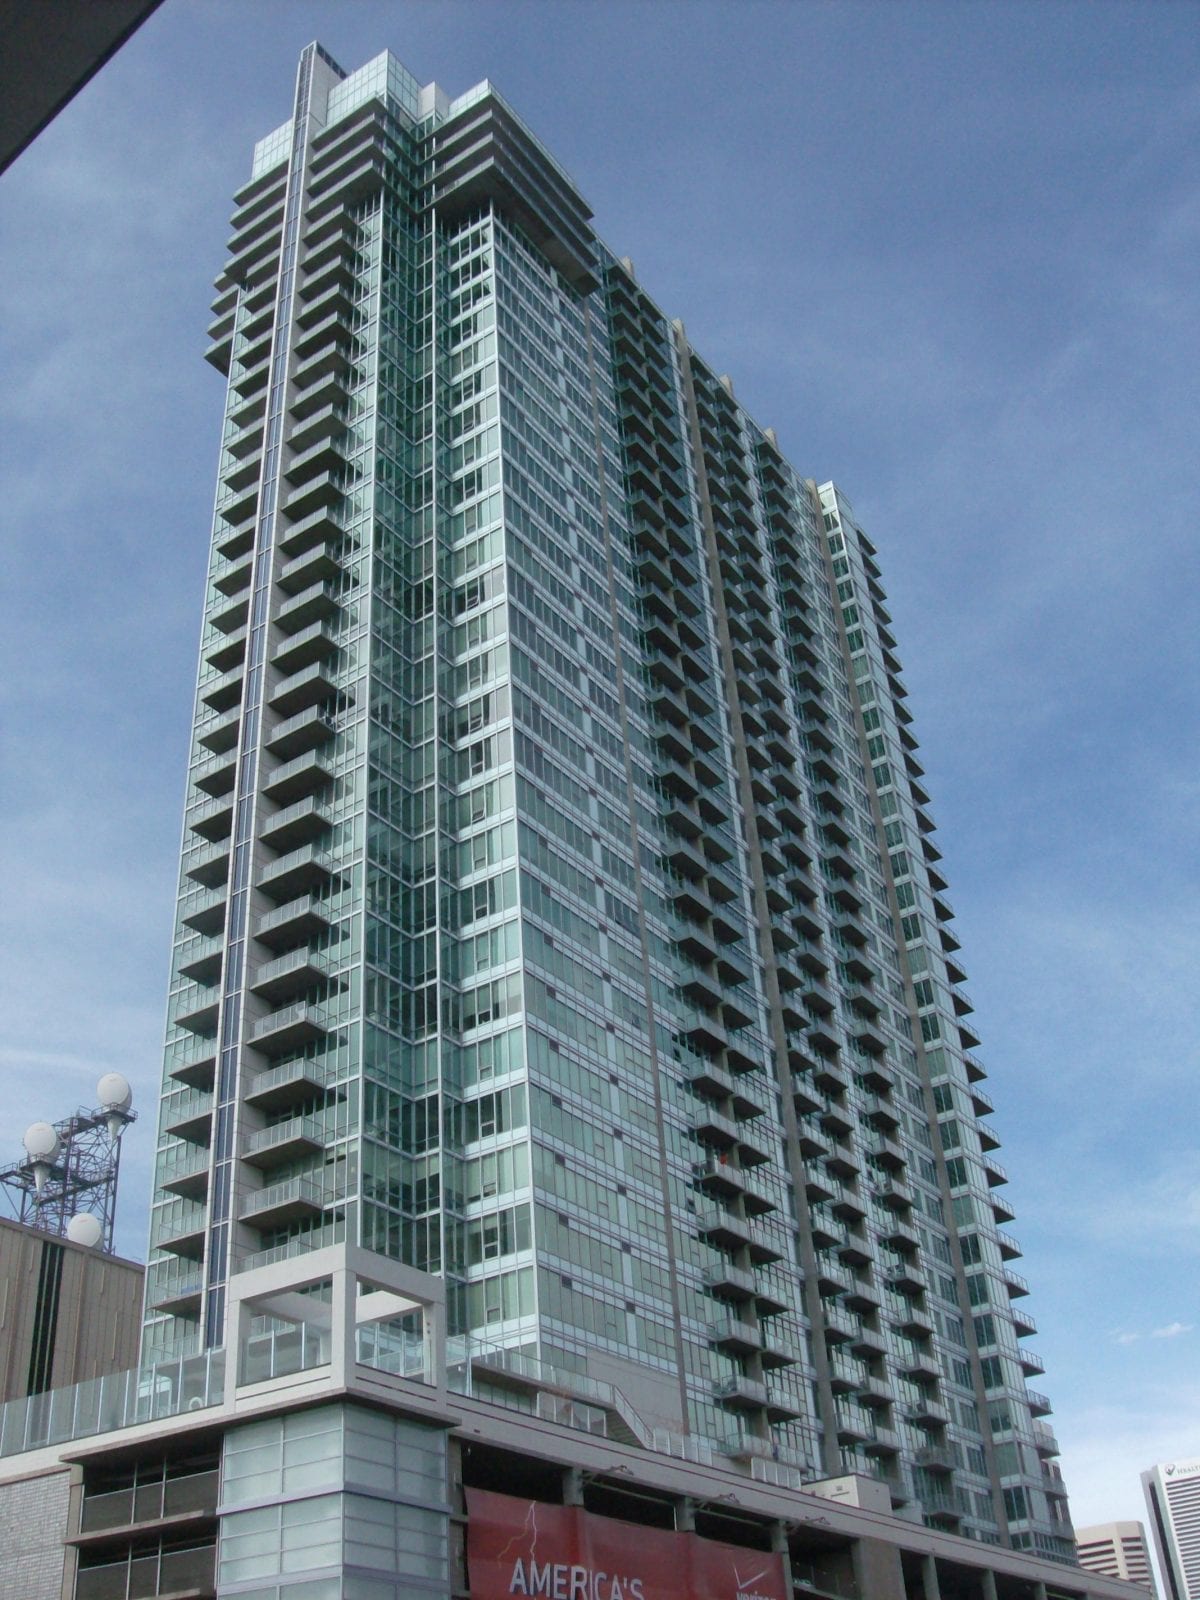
(484, 153)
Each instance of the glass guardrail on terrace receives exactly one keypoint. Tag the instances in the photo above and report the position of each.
(101, 1405)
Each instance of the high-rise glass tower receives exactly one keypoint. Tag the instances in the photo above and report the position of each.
(558, 911)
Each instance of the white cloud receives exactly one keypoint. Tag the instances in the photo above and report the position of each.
(1171, 1330)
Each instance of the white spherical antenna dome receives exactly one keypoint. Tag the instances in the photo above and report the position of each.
(113, 1092)
(85, 1229)
(41, 1142)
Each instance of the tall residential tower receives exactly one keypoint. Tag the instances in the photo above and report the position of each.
(559, 914)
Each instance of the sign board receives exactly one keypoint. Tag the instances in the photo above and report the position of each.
(522, 1547)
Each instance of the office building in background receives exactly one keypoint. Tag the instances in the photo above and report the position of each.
(1172, 1491)
(1118, 1550)
(570, 1108)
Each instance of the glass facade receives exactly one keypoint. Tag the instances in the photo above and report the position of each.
(558, 909)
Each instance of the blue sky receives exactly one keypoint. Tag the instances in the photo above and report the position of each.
(949, 252)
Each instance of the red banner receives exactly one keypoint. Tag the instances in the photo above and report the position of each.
(522, 1547)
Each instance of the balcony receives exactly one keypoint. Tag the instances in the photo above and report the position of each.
(185, 1238)
(832, 1277)
(283, 1142)
(899, 1234)
(289, 1029)
(915, 1321)
(729, 1282)
(869, 1341)
(204, 911)
(710, 1079)
(906, 1277)
(232, 614)
(177, 1293)
(921, 1365)
(319, 601)
(290, 975)
(854, 1425)
(883, 1442)
(757, 1202)
(292, 780)
(289, 1084)
(196, 1068)
(1044, 1441)
(888, 1153)
(323, 490)
(199, 1016)
(740, 1394)
(311, 686)
(216, 775)
(286, 1202)
(307, 730)
(320, 457)
(845, 1373)
(295, 825)
(209, 866)
(929, 1412)
(735, 1337)
(228, 652)
(212, 819)
(775, 1355)
(713, 1127)
(291, 924)
(316, 565)
(202, 962)
(234, 577)
(301, 649)
(188, 1178)
(301, 870)
(894, 1192)
(189, 1117)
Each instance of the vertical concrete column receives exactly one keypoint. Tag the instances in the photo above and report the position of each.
(929, 1578)
(685, 1514)
(987, 1580)
(878, 1573)
(1039, 1590)
(237, 1326)
(779, 1545)
(343, 1330)
(573, 1486)
(433, 1325)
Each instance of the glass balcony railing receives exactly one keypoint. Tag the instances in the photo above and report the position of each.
(101, 1405)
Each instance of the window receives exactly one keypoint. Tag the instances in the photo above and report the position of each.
(1014, 1505)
